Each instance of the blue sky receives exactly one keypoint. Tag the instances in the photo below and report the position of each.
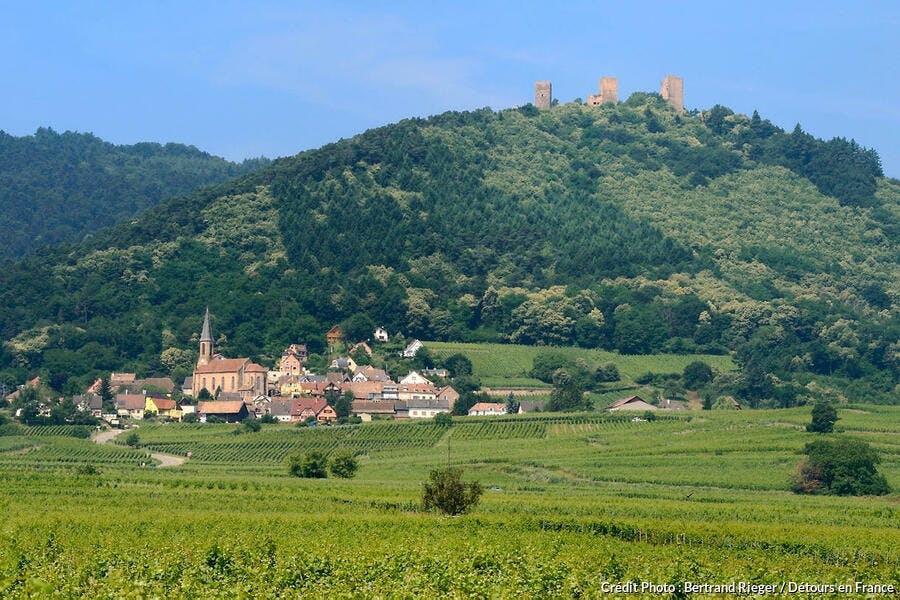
(243, 79)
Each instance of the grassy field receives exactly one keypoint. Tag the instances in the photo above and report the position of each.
(507, 365)
(571, 502)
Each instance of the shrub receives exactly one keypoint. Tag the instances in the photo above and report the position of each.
(343, 465)
(696, 374)
(311, 465)
(268, 418)
(132, 439)
(251, 424)
(445, 491)
(842, 467)
(824, 416)
(443, 419)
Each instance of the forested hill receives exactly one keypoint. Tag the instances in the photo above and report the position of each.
(626, 227)
(58, 187)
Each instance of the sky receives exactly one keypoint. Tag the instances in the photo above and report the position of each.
(263, 78)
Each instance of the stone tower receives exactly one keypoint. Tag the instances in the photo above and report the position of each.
(672, 91)
(543, 94)
(609, 92)
(206, 342)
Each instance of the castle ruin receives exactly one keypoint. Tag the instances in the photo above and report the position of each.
(543, 94)
(609, 92)
(672, 91)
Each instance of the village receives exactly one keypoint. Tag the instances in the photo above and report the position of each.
(232, 390)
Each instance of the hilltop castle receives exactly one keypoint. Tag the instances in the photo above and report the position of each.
(672, 91)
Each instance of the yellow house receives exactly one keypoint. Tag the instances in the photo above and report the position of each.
(163, 407)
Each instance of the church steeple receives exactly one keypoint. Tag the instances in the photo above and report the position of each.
(206, 342)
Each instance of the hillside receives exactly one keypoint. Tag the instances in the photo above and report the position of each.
(629, 228)
(59, 187)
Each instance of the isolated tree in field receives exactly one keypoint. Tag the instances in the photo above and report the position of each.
(824, 415)
(310, 465)
(841, 467)
(696, 374)
(133, 439)
(445, 491)
(343, 464)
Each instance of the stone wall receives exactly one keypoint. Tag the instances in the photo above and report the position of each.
(672, 91)
(543, 94)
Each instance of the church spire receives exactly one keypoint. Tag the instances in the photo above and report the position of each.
(205, 335)
(206, 342)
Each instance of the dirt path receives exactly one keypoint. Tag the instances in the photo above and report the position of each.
(165, 460)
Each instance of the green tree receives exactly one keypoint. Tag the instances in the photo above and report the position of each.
(106, 396)
(310, 465)
(343, 405)
(568, 396)
(607, 373)
(841, 467)
(696, 374)
(343, 464)
(446, 492)
(824, 416)
(458, 364)
(443, 419)
(133, 439)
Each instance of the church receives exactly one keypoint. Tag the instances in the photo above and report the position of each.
(219, 375)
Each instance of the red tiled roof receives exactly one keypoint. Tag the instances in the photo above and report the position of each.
(222, 365)
(220, 407)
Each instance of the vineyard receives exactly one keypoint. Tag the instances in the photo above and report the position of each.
(502, 365)
(570, 502)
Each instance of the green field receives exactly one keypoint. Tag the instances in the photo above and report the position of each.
(571, 502)
(507, 365)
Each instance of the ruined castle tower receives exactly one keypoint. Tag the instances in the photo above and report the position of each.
(543, 94)
(672, 91)
(609, 92)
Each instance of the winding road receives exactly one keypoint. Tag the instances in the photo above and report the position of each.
(165, 460)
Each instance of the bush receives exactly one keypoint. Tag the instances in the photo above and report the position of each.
(842, 467)
(606, 373)
(310, 465)
(824, 416)
(696, 374)
(343, 465)
(132, 439)
(446, 492)
(251, 424)
(443, 419)
(268, 418)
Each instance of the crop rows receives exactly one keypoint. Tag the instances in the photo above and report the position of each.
(61, 450)
(500, 431)
(77, 431)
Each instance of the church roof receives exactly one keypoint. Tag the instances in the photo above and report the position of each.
(206, 334)
(222, 365)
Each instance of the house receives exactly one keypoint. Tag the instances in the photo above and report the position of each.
(286, 411)
(315, 409)
(34, 383)
(187, 388)
(293, 358)
(381, 334)
(416, 391)
(89, 403)
(367, 390)
(230, 411)
(120, 380)
(370, 373)
(337, 378)
(163, 407)
(344, 363)
(160, 383)
(414, 377)
(529, 406)
(482, 409)
(131, 405)
(361, 346)
(426, 409)
(448, 394)
(412, 349)
(261, 405)
(334, 336)
(442, 373)
(369, 409)
(631, 403)
(215, 373)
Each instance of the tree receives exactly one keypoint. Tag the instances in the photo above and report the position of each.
(696, 374)
(106, 396)
(841, 467)
(204, 395)
(343, 405)
(567, 396)
(458, 364)
(133, 439)
(824, 416)
(606, 373)
(443, 419)
(546, 363)
(343, 464)
(512, 405)
(445, 491)
(310, 465)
